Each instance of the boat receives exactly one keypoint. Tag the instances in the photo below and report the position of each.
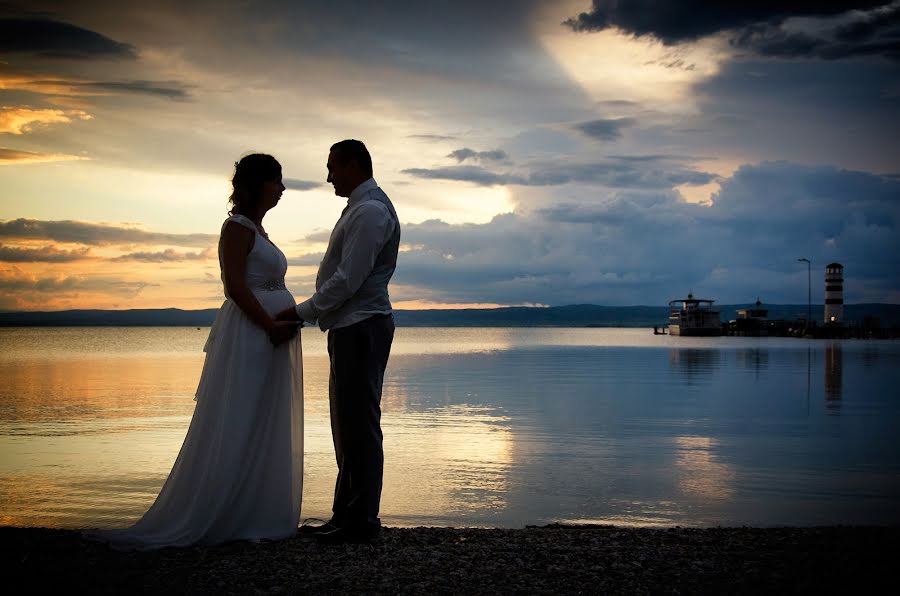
(751, 321)
(694, 317)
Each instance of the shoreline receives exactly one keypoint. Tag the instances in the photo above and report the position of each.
(546, 559)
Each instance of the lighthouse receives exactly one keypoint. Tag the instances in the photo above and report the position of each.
(834, 293)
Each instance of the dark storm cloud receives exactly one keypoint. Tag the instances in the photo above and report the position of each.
(46, 254)
(774, 41)
(96, 234)
(685, 20)
(44, 38)
(868, 27)
(608, 129)
(56, 39)
(301, 185)
(465, 153)
(819, 112)
(647, 247)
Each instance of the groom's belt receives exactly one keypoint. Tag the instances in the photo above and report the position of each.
(273, 285)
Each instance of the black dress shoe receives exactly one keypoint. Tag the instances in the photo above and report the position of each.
(307, 529)
(348, 535)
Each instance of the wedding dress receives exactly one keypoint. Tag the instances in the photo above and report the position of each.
(239, 474)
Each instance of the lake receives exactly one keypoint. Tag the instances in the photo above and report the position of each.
(491, 427)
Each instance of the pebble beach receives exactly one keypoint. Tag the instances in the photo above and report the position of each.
(534, 560)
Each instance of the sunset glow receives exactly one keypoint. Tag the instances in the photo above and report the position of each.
(541, 153)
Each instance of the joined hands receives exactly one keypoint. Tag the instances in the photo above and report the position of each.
(282, 331)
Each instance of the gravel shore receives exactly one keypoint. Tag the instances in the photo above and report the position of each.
(534, 560)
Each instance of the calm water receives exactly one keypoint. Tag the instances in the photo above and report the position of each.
(486, 427)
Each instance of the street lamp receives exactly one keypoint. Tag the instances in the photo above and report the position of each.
(808, 291)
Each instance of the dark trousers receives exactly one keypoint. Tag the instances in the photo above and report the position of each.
(359, 355)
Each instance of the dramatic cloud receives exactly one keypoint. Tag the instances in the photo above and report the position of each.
(874, 34)
(166, 256)
(46, 254)
(96, 234)
(605, 129)
(301, 185)
(55, 39)
(672, 22)
(465, 153)
(647, 247)
(842, 113)
(762, 27)
(590, 146)
(19, 121)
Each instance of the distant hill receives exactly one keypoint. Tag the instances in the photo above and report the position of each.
(575, 315)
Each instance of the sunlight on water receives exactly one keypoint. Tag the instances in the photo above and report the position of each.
(486, 427)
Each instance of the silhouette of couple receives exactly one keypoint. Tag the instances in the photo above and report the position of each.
(239, 474)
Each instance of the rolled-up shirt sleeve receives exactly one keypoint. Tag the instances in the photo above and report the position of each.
(368, 229)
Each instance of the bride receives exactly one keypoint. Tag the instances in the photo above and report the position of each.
(238, 475)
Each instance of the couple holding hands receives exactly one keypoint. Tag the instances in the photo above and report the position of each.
(239, 474)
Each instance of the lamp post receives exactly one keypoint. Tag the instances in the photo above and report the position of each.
(808, 290)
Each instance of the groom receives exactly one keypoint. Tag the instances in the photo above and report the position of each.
(351, 303)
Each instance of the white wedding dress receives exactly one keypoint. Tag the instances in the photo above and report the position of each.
(239, 474)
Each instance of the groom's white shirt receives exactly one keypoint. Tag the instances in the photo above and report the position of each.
(367, 225)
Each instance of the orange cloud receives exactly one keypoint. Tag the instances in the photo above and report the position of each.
(55, 86)
(18, 121)
(45, 254)
(21, 289)
(73, 87)
(15, 156)
(28, 83)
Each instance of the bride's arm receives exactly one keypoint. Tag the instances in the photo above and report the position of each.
(236, 244)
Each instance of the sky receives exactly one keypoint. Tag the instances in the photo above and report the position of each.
(538, 152)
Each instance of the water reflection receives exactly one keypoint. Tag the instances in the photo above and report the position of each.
(445, 453)
(755, 359)
(56, 391)
(446, 458)
(834, 384)
(870, 356)
(587, 424)
(450, 461)
(700, 473)
(695, 364)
